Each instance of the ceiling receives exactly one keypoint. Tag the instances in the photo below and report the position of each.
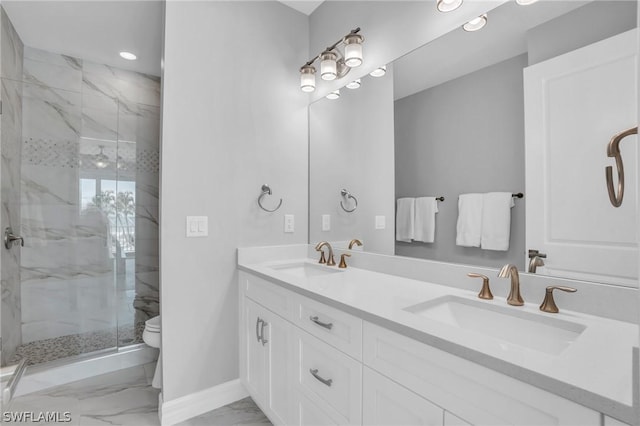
(459, 52)
(95, 30)
(304, 6)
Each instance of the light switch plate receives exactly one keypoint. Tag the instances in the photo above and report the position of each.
(326, 222)
(381, 222)
(197, 226)
(289, 223)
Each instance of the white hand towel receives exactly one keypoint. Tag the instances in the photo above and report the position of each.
(425, 219)
(405, 211)
(469, 227)
(496, 220)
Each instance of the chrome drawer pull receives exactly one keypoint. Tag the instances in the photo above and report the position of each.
(328, 326)
(314, 373)
(264, 341)
(258, 321)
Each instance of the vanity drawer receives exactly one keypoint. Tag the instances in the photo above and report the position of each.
(267, 294)
(339, 329)
(328, 378)
(476, 394)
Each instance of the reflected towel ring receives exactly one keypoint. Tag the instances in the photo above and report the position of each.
(267, 191)
(346, 194)
(613, 150)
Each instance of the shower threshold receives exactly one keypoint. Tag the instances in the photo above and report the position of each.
(9, 379)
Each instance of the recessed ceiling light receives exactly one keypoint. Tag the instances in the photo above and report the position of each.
(448, 5)
(128, 56)
(476, 24)
(379, 72)
(525, 2)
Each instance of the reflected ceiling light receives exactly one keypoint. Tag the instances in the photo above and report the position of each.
(334, 95)
(355, 84)
(308, 78)
(101, 160)
(379, 72)
(334, 63)
(476, 24)
(128, 56)
(448, 5)
(526, 2)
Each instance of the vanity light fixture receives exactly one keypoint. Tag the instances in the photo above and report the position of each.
(476, 24)
(101, 160)
(379, 72)
(333, 63)
(128, 56)
(334, 95)
(526, 2)
(448, 5)
(355, 84)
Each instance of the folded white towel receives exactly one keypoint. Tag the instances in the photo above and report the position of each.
(425, 219)
(496, 220)
(405, 211)
(469, 226)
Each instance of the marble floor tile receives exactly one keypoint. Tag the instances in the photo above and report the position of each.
(125, 398)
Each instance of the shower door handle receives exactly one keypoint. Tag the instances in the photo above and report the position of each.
(10, 238)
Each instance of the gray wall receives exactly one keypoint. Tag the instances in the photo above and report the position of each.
(234, 118)
(466, 135)
(11, 53)
(351, 146)
(586, 25)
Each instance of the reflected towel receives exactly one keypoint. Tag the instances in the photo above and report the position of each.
(405, 219)
(469, 226)
(496, 220)
(425, 219)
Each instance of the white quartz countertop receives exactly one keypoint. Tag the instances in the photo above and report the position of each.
(594, 371)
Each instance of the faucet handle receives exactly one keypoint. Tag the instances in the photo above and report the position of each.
(548, 304)
(343, 262)
(485, 293)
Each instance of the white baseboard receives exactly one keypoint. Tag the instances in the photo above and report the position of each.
(192, 405)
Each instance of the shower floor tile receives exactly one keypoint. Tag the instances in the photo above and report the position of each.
(125, 398)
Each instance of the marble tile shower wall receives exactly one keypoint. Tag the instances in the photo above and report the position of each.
(11, 54)
(72, 111)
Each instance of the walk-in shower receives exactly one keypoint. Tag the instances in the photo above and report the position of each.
(79, 183)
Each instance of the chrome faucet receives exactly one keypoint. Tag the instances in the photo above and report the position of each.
(330, 261)
(514, 297)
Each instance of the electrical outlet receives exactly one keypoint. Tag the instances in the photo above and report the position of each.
(326, 222)
(289, 223)
(381, 222)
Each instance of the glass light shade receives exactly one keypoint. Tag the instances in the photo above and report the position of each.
(353, 50)
(355, 84)
(448, 5)
(328, 66)
(308, 79)
(379, 72)
(101, 161)
(334, 95)
(476, 24)
(526, 2)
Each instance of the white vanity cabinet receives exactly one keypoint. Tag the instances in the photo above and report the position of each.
(267, 360)
(306, 363)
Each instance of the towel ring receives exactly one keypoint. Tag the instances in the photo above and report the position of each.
(267, 191)
(613, 150)
(346, 194)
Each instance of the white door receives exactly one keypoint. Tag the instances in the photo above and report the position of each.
(255, 356)
(574, 104)
(278, 345)
(385, 402)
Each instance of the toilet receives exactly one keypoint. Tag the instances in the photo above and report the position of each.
(151, 336)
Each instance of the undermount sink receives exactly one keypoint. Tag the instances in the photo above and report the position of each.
(305, 269)
(542, 333)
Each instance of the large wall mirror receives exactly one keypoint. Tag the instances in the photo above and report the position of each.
(526, 105)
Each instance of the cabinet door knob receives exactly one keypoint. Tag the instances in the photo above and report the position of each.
(327, 325)
(314, 373)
